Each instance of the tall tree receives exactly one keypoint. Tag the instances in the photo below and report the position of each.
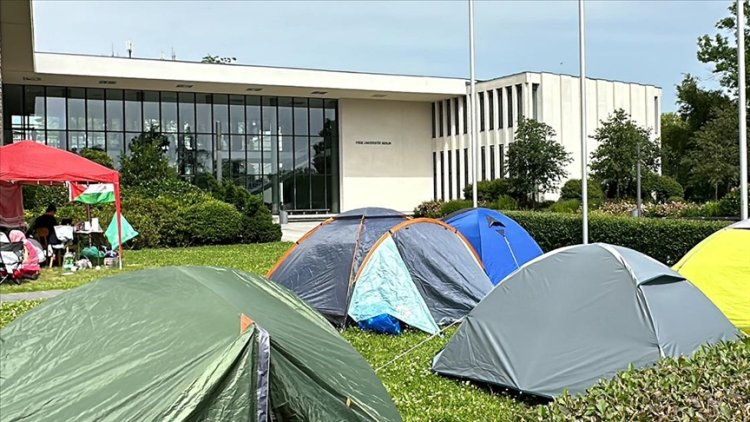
(208, 58)
(536, 161)
(146, 160)
(614, 160)
(720, 50)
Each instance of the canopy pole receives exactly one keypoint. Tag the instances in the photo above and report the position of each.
(474, 137)
(584, 130)
(742, 106)
(118, 216)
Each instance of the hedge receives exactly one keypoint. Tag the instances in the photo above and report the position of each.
(713, 385)
(662, 239)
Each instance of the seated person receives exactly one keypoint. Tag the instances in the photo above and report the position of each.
(29, 267)
(47, 221)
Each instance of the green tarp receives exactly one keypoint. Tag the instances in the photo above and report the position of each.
(183, 343)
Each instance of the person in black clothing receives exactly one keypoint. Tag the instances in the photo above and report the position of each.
(47, 221)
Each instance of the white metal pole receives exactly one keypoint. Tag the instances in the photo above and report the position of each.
(584, 130)
(474, 137)
(742, 105)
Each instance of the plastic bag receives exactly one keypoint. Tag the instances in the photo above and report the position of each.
(383, 323)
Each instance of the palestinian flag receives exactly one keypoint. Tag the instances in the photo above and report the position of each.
(100, 193)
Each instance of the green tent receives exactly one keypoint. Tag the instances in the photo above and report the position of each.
(183, 343)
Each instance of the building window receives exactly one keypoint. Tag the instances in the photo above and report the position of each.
(481, 111)
(500, 108)
(466, 166)
(441, 133)
(458, 172)
(519, 98)
(434, 175)
(300, 152)
(492, 162)
(456, 117)
(483, 160)
(450, 174)
(502, 161)
(466, 114)
(509, 98)
(535, 100)
(442, 175)
(434, 123)
(491, 105)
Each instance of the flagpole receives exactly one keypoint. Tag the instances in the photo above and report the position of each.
(742, 105)
(474, 133)
(584, 131)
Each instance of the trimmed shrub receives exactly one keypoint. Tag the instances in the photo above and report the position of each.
(210, 222)
(566, 206)
(156, 219)
(729, 205)
(664, 240)
(572, 190)
(505, 202)
(98, 156)
(713, 385)
(453, 206)
(259, 230)
(429, 209)
(661, 187)
(38, 197)
(488, 190)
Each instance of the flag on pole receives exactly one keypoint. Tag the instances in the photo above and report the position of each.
(128, 232)
(99, 193)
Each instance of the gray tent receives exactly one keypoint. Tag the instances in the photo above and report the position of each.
(577, 315)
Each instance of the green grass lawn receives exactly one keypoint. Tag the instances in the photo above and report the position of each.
(419, 394)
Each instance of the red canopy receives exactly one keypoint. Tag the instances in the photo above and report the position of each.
(29, 162)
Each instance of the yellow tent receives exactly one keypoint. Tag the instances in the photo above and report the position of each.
(720, 267)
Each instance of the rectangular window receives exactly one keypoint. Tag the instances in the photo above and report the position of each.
(492, 162)
(502, 161)
(500, 108)
(434, 174)
(519, 97)
(114, 111)
(481, 111)
(509, 98)
(450, 174)
(56, 110)
(484, 165)
(448, 114)
(466, 114)
(440, 119)
(434, 123)
(466, 166)
(442, 175)
(535, 100)
(491, 104)
(456, 116)
(458, 172)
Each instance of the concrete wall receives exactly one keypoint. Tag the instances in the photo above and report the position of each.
(386, 154)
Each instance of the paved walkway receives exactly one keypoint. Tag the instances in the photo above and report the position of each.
(44, 294)
(292, 232)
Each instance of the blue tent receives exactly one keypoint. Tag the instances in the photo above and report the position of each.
(499, 241)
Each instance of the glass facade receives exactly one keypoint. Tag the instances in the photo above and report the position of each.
(283, 148)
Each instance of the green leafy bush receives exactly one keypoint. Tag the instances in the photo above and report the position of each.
(488, 190)
(98, 156)
(572, 190)
(453, 206)
(661, 188)
(729, 205)
(429, 209)
(664, 240)
(505, 202)
(713, 385)
(37, 197)
(210, 222)
(566, 206)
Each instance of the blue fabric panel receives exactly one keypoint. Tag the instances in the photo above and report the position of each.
(443, 268)
(318, 269)
(372, 230)
(385, 287)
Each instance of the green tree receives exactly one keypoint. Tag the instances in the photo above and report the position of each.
(714, 161)
(536, 161)
(720, 50)
(208, 58)
(614, 160)
(98, 156)
(146, 160)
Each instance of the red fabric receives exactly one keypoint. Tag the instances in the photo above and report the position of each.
(32, 162)
(11, 205)
(29, 162)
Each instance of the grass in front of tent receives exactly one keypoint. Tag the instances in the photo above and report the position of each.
(256, 258)
(12, 310)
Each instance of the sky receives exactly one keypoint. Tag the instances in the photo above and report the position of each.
(650, 42)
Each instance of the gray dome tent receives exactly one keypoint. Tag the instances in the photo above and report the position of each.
(577, 315)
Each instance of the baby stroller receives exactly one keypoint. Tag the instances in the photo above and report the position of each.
(11, 257)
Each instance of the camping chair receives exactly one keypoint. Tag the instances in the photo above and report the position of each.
(11, 255)
(42, 236)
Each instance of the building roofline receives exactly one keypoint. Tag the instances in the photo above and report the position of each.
(570, 75)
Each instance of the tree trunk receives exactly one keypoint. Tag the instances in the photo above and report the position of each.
(716, 191)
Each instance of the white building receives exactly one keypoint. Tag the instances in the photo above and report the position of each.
(307, 140)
